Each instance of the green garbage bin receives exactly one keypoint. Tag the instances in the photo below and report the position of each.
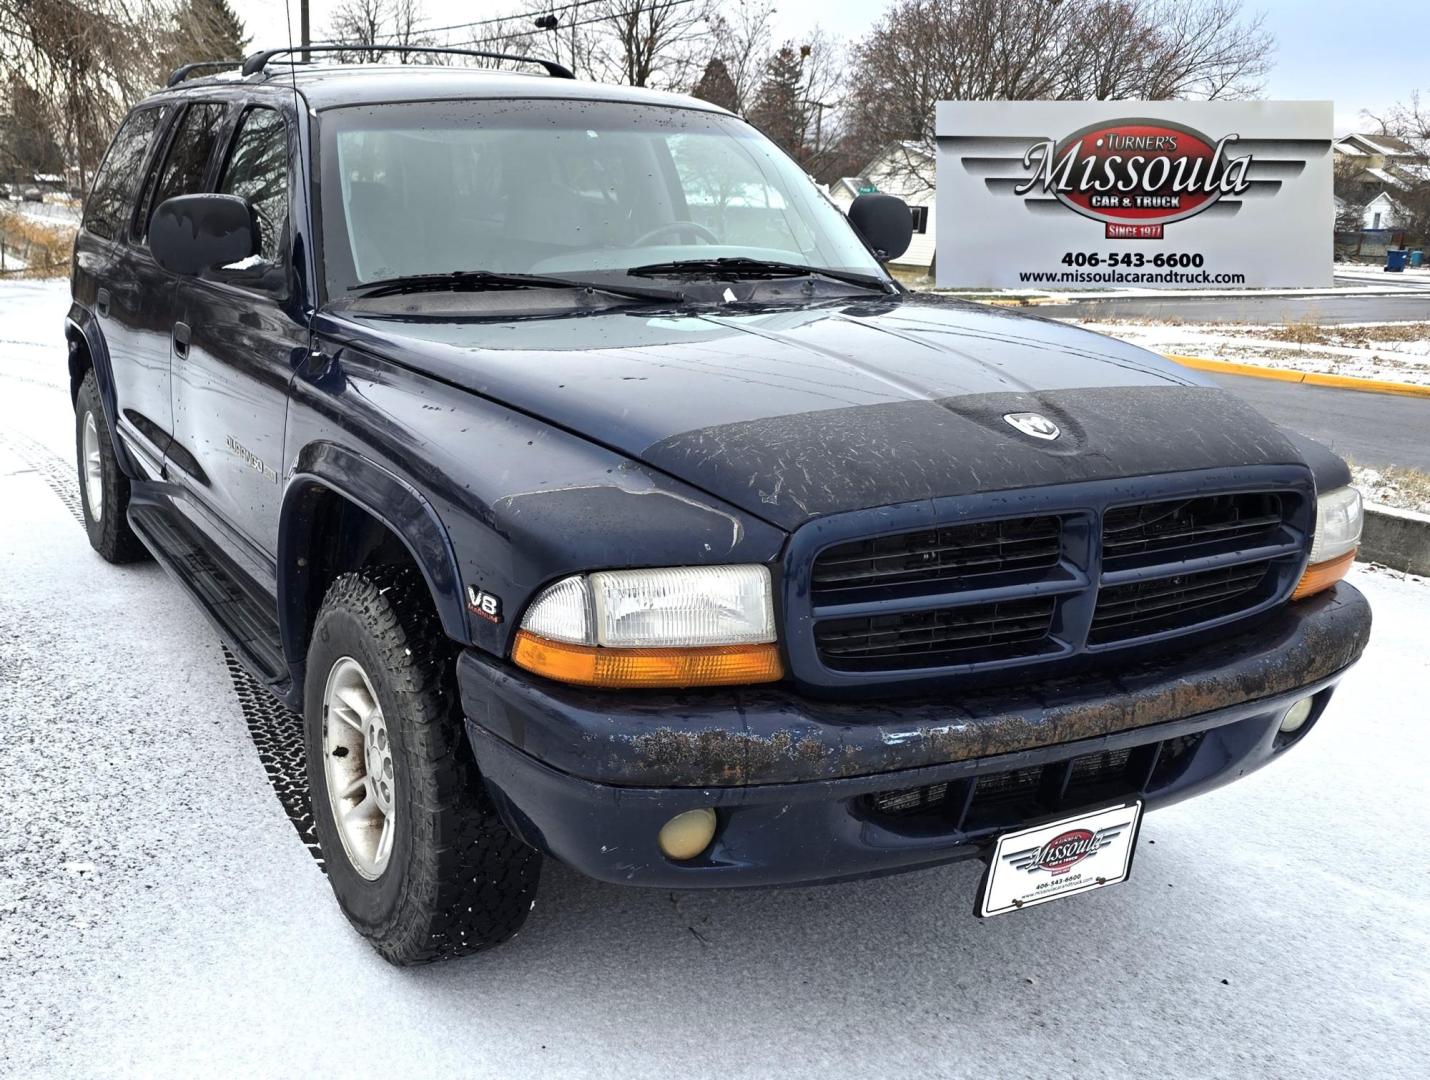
(1417, 257)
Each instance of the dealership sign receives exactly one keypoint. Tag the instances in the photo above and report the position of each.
(1085, 195)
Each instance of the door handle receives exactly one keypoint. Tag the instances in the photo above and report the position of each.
(101, 302)
(181, 339)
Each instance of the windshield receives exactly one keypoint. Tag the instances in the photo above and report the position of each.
(571, 188)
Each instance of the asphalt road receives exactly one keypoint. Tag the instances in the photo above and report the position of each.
(1412, 306)
(1370, 429)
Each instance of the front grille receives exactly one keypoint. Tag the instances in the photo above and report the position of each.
(882, 596)
(960, 553)
(1148, 607)
(932, 638)
(1187, 528)
(998, 800)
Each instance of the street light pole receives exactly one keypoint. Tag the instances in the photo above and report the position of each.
(304, 31)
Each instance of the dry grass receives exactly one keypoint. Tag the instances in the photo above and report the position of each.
(1305, 332)
(1300, 332)
(45, 249)
(1394, 485)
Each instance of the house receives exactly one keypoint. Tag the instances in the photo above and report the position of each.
(904, 169)
(1377, 151)
(1383, 212)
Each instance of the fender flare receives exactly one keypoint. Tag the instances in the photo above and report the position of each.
(81, 324)
(389, 499)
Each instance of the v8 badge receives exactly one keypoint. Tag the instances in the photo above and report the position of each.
(484, 604)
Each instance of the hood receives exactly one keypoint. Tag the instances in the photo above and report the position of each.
(791, 414)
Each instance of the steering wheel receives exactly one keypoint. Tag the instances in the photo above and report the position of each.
(676, 226)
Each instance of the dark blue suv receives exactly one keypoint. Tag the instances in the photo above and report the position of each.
(576, 469)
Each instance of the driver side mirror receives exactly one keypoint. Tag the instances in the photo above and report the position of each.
(194, 233)
(884, 222)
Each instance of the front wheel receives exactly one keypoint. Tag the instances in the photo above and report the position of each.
(103, 487)
(416, 855)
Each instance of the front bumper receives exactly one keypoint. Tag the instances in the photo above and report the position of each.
(590, 777)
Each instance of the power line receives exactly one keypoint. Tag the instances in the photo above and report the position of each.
(390, 38)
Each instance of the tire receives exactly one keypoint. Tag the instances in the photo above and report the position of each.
(105, 502)
(455, 880)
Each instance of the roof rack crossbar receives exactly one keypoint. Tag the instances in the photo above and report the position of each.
(179, 74)
(257, 61)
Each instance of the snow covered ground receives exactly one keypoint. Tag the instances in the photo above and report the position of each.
(159, 916)
(1397, 352)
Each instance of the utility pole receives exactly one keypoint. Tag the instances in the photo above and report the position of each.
(305, 31)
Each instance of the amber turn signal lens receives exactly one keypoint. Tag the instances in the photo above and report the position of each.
(587, 665)
(1322, 576)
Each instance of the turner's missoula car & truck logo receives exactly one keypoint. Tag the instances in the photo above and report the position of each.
(1136, 175)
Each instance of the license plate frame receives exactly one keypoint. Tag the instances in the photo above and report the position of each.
(1061, 857)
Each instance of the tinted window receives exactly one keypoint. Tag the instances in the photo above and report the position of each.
(189, 152)
(109, 201)
(257, 170)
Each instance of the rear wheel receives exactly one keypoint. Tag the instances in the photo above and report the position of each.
(103, 488)
(416, 855)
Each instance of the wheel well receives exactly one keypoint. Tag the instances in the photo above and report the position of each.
(80, 360)
(332, 536)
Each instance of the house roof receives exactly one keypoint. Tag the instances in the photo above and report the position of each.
(1356, 144)
(1386, 177)
(851, 183)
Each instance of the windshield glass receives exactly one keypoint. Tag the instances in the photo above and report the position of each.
(568, 188)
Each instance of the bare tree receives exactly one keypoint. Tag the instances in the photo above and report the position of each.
(359, 22)
(87, 61)
(742, 37)
(925, 51)
(649, 42)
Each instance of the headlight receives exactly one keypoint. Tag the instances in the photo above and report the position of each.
(684, 626)
(1338, 522)
(1333, 547)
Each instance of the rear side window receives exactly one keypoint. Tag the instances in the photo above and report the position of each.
(109, 200)
(189, 153)
(257, 170)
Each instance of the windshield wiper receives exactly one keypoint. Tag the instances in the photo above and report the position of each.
(739, 266)
(484, 280)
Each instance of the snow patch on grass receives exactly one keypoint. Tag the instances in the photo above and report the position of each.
(1395, 352)
(1394, 485)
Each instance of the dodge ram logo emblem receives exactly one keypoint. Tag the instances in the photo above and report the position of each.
(1031, 423)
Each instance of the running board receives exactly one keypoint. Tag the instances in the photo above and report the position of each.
(246, 625)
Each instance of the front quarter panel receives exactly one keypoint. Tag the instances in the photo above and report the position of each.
(522, 503)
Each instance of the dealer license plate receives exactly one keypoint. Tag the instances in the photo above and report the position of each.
(1048, 862)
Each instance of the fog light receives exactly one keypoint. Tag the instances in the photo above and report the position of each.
(687, 835)
(1296, 716)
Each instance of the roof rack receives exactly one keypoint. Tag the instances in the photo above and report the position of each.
(181, 73)
(256, 62)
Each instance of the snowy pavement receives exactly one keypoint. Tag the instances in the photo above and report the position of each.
(160, 916)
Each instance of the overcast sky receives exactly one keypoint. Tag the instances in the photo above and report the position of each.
(1362, 56)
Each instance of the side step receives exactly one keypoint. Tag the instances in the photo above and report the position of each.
(248, 626)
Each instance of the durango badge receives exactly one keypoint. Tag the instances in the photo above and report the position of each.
(1034, 424)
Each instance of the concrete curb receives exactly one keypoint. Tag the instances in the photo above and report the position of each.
(1309, 378)
(1396, 538)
